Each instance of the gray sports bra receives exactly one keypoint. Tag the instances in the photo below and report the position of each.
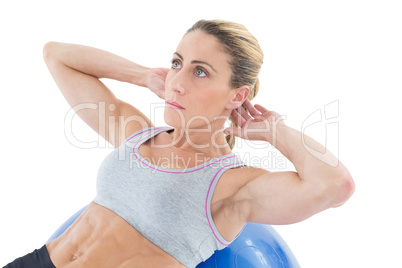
(170, 207)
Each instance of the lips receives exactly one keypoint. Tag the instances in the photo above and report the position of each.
(175, 104)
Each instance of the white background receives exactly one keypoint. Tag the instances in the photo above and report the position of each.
(316, 53)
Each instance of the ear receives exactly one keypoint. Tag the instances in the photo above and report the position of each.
(239, 96)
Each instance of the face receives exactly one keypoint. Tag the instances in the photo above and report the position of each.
(199, 81)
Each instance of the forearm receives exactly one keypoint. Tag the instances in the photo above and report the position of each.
(96, 62)
(312, 160)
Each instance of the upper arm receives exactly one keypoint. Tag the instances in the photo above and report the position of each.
(96, 105)
(282, 198)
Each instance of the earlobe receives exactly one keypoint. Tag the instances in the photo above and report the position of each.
(239, 97)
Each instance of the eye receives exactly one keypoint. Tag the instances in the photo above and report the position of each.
(175, 64)
(200, 72)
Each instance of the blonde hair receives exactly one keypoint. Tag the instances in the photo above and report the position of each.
(245, 53)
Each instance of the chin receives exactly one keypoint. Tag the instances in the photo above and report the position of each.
(173, 118)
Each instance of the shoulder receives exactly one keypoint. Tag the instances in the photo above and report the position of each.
(130, 120)
(149, 132)
(232, 180)
(246, 172)
(243, 174)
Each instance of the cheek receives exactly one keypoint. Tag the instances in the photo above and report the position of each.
(213, 99)
(206, 96)
(204, 99)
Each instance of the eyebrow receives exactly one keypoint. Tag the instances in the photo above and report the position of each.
(196, 61)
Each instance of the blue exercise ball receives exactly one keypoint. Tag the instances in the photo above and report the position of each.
(258, 246)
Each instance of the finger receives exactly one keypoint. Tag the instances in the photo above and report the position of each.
(261, 108)
(238, 132)
(251, 109)
(237, 118)
(162, 95)
(163, 72)
(243, 113)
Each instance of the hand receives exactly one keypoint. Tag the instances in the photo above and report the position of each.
(257, 124)
(156, 81)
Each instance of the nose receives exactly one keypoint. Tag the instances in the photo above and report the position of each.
(177, 82)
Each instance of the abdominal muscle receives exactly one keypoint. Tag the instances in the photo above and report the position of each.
(100, 238)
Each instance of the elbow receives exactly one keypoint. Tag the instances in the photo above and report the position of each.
(342, 189)
(48, 50)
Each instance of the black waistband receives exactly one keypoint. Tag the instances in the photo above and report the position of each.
(39, 258)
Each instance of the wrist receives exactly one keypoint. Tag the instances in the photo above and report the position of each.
(275, 132)
(143, 76)
(282, 137)
(139, 76)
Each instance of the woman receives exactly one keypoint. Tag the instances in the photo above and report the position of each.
(158, 203)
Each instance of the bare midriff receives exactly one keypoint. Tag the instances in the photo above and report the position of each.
(100, 238)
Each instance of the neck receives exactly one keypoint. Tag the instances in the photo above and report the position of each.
(207, 139)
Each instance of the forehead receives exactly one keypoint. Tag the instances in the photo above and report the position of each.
(198, 45)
